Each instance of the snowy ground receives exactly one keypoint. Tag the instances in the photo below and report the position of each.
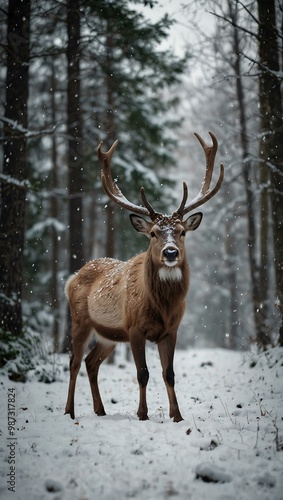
(230, 445)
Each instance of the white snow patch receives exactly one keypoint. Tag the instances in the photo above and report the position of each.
(118, 456)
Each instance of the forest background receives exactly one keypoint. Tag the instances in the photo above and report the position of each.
(76, 72)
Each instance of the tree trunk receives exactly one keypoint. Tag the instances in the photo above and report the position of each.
(271, 113)
(110, 230)
(111, 133)
(230, 247)
(13, 194)
(54, 214)
(74, 124)
(75, 159)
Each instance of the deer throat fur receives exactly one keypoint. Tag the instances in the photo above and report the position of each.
(170, 273)
(167, 284)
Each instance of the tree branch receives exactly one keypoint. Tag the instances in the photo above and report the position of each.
(24, 132)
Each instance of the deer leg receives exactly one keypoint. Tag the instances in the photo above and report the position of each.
(166, 350)
(75, 364)
(79, 347)
(93, 361)
(138, 349)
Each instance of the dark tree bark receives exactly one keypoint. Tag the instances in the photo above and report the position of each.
(231, 245)
(75, 158)
(74, 125)
(110, 127)
(55, 215)
(13, 194)
(111, 136)
(271, 115)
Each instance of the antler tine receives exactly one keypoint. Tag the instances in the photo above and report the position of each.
(205, 193)
(107, 155)
(105, 160)
(152, 212)
(210, 153)
(181, 208)
(113, 191)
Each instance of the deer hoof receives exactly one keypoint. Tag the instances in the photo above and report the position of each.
(100, 412)
(178, 418)
(71, 413)
(143, 417)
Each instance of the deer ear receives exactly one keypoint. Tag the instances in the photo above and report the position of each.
(193, 222)
(140, 224)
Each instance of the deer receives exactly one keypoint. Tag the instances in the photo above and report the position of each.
(142, 299)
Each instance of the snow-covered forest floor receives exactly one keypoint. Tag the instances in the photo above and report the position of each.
(230, 445)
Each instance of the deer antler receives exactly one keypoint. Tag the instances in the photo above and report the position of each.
(113, 191)
(205, 193)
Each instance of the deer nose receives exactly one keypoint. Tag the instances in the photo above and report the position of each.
(170, 253)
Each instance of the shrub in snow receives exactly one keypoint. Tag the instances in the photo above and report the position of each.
(27, 357)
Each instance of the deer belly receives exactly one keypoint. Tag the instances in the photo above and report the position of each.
(106, 309)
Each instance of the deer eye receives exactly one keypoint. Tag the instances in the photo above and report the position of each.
(183, 233)
(152, 234)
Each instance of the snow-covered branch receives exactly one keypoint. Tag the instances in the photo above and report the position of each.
(25, 132)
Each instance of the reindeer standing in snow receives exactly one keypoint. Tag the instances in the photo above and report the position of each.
(141, 299)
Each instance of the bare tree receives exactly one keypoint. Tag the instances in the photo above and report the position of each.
(263, 29)
(258, 260)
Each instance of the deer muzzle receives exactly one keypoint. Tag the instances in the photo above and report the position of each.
(170, 255)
